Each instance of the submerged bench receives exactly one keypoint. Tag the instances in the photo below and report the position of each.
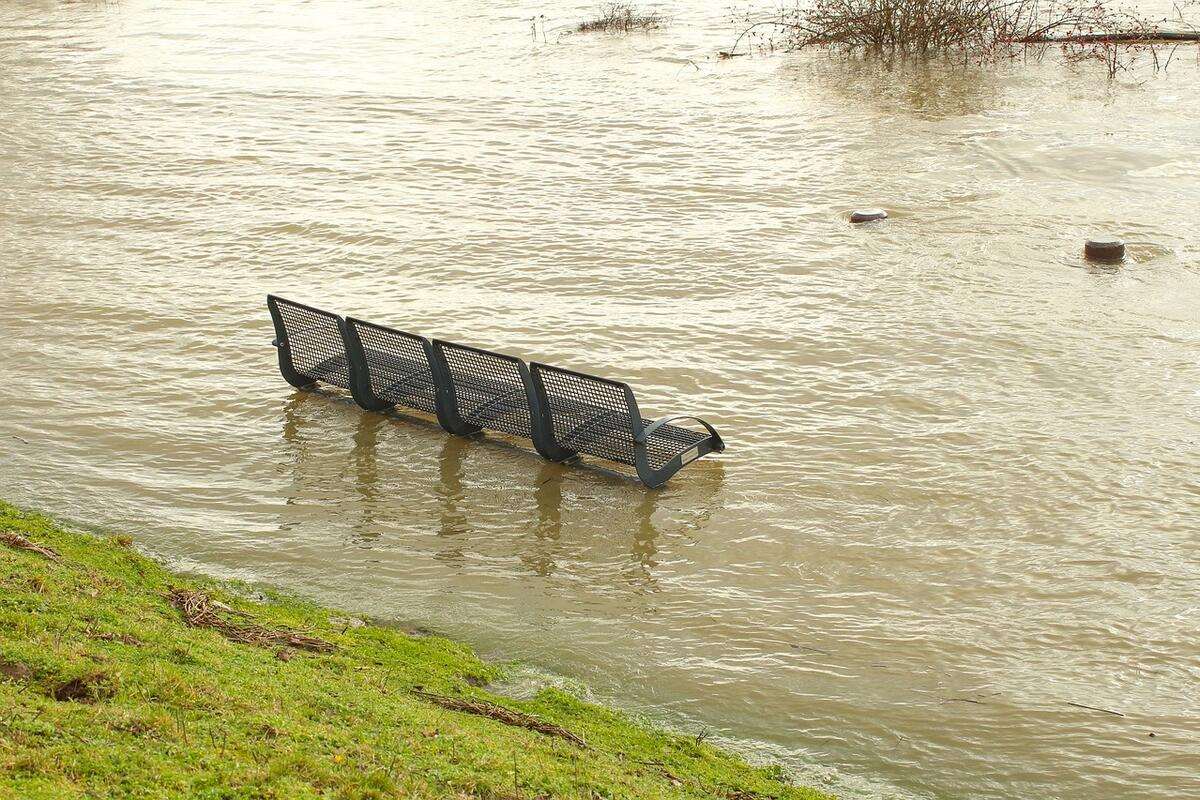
(563, 412)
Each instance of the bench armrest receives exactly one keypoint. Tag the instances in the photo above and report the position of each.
(649, 430)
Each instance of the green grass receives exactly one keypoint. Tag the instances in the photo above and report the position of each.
(155, 708)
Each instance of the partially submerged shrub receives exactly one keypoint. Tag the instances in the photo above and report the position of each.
(978, 30)
(621, 18)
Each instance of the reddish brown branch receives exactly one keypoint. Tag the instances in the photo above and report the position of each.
(1121, 36)
(517, 719)
(201, 611)
(19, 542)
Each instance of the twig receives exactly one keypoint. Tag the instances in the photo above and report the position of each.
(200, 611)
(811, 649)
(517, 719)
(1094, 708)
(19, 542)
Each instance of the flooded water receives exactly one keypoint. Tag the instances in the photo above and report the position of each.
(957, 523)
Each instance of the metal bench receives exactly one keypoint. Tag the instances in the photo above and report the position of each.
(564, 413)
(600, 417)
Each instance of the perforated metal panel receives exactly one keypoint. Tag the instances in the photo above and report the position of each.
(591, 415)
(668, 442)
(398, 366)
(488, 387)
(315, 342)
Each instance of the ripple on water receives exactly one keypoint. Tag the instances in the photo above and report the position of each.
(955, 525)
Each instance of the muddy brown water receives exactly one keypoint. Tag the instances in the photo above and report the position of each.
(960, 503)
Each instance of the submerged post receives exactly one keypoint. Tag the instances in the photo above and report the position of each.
(1110, 250)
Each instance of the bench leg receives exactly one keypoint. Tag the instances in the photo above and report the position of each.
(541, 420)
(284, 351)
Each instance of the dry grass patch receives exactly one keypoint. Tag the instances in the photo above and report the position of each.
(201, 611)
(508, 716)
(18, 542)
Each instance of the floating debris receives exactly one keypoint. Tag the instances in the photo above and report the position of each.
(1104, 249)
(1095, 708)
(201, 611)
(868, 215)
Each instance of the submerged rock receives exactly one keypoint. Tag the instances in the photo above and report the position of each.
(868, 215)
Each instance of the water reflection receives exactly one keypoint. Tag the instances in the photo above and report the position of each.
(598, 506)
(549, 498)
(643, 548)
(946, 411)
(930, 88)
(366, 529)
(555, 512)
(309, 474)
(293, 420)
(452, 520)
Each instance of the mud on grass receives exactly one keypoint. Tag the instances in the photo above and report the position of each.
(107, 691)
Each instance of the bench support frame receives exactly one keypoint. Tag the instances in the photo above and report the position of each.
(654, 478)
(283, 349)
(360, 372)
(446, 410)
(449, 416)
(543, 424)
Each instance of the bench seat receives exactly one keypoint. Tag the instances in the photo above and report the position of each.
(489, 389)
(401, 381)
(397, 364)
(602, 432)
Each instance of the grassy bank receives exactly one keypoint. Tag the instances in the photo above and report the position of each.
(121, 679)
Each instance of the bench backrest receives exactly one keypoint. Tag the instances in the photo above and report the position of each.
(588, 414)
(398, 365)
(310, 341)
(491, 390)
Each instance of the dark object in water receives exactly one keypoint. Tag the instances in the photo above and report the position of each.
(1110, 250)
(1112, 37)
(621, 18)
(564, 413)
(868, 215)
